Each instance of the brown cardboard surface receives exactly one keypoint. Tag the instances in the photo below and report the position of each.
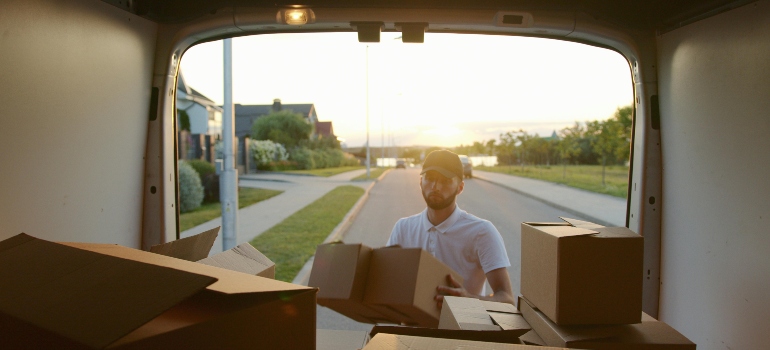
(87, 297)
(500, 336)
(340, 273)
(531, 338)
(465, 313)
(327, 339)
(500, 307)
(402, 285)
(581, 223)
(581, 276)
(508, 321)
(99, 295)
(384, 341)
(649, 334)
(191, 248)
(243, 258)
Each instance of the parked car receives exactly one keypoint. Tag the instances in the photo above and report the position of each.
(400, 163)
(467, 166)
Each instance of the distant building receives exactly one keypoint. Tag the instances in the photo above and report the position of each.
(324, 129)
(204, 116)
(554, 137)
(245, 115)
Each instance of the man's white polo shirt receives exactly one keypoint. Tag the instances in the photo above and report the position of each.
(469, 245)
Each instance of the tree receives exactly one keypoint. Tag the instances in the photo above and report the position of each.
(569, 145)
(284, 127)
(607, 138)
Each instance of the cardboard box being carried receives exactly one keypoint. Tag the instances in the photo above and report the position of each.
(582, 273)
(94, 296)
(390, 285)
(649, 334)
(384, 341)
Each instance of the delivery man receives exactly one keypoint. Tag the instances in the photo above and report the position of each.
(469, 245)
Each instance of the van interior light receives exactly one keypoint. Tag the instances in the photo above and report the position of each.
(296, 17)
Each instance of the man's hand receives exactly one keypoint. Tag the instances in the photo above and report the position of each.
(498, 280)
(454, 289)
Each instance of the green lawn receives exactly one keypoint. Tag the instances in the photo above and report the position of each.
(293, 241)
(246, 197)
(325, 172)
(587, 177)
(373, 173)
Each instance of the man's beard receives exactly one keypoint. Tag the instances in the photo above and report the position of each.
(441, 204)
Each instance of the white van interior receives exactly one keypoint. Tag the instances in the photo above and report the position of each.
(88, 136)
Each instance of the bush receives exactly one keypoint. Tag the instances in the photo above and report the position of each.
(265, 152)
(202, 167)
(210, 188)
(190, 188)
(303, 157)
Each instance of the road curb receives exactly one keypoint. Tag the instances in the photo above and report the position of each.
(551, 203)
(338, 232)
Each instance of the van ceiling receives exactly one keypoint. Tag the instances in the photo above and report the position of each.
(638, 14)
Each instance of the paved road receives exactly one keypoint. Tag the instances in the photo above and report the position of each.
(398, 195)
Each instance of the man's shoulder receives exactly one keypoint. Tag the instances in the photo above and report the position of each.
(468, 219)
(410, 220)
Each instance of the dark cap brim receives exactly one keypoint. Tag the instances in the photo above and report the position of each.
(441, 171)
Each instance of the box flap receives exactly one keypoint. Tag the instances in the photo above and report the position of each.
(499, 336)
(566, 231)
(385, 341)
(91, 298)
(509, 321)
(243, 258)
(531, 338)
(500, 307)
(465, 313)
(229, 282)
(581, 223)
(192, 248)
(555, 335)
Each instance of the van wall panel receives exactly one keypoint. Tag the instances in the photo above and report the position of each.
(76, 79)
(715, 129)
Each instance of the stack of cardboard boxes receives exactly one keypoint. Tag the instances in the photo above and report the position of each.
(582, 288)
(95, 296)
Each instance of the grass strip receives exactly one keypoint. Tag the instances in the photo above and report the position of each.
(325, 172)
(373, 174)
(293, 241)
(586, 177)
(246, 197)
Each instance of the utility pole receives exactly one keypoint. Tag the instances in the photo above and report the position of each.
(228, 191)
(368, 162)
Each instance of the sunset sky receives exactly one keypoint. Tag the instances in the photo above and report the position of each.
(453, 89)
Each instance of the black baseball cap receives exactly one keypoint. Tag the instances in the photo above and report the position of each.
(445, 162)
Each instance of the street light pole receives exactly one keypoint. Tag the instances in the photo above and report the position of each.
(368, 161)
(228, 194)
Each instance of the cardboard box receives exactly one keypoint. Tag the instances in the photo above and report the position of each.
(340, 272)
(192, 248)
(465, 313)
(582, 273)
(93, 296)
(384, 285)
(327, 339)
(649, 334)
(402, 285)
(243, 258)
(384, 341)
(531, 338)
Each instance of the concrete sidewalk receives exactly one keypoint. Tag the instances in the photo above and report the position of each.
(299, 191)
(599, 208)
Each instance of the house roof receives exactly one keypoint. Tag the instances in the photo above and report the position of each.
(324, 128)
(258, 110)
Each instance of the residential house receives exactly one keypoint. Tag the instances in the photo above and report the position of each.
(199, 121)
